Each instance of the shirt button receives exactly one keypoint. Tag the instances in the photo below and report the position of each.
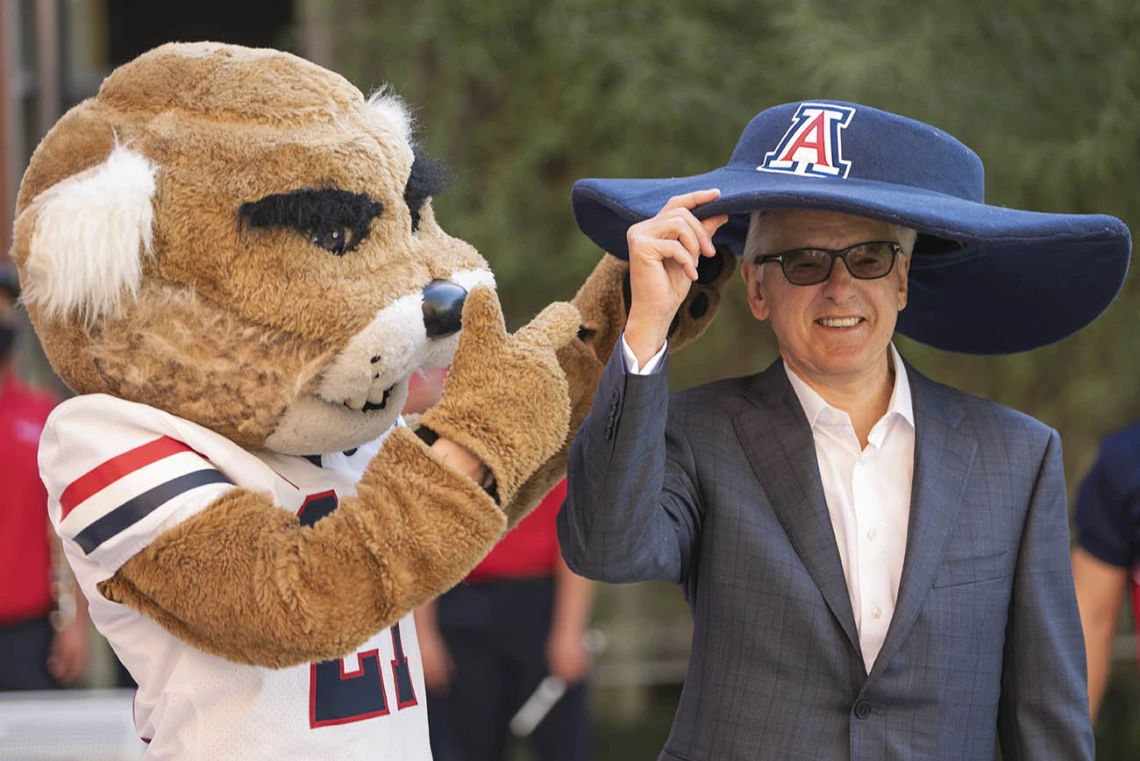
(876, 612)
(871, 534)
(862, 709)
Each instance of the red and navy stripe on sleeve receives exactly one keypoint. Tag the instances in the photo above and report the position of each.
(123, 490)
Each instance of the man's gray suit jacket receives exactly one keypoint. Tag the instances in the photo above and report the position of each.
(718, 489)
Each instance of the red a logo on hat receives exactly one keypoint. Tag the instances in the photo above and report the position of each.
(812, 146)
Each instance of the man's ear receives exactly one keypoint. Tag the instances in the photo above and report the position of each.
(84, 238)
(753, 278)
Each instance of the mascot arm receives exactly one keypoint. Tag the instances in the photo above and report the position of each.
(244, 580)
(603, 301)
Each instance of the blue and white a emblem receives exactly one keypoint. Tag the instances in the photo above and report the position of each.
(812, 146)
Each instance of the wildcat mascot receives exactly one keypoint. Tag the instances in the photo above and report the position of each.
(230, 255)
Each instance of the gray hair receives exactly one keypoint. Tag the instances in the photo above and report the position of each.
(906, 237)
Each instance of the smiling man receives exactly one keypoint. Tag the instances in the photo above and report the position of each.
(876, 564)
(834, 331)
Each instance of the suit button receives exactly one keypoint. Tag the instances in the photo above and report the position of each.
(862, 709)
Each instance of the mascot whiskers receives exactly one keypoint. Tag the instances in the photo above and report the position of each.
(230, 255)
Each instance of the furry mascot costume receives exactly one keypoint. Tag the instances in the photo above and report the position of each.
(230, 255)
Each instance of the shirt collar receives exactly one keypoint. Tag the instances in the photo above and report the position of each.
(901, 400)
(815, 405)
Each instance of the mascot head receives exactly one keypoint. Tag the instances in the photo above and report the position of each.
(240, 238)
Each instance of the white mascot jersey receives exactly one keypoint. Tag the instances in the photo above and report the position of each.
(120, 474)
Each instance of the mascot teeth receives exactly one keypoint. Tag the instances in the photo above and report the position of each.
(378, 400)
(373, 400)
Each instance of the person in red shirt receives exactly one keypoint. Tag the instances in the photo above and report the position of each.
(520, 616)
(43, 641)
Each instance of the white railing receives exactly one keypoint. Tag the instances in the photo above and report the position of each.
(91, 725)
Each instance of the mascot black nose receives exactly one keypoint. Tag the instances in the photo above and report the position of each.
(443, 305)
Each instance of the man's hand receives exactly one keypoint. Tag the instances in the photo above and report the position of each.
(67, 657)
(463, 460)
(434, 655)
(566, 653)
(663, 254)
(567, 656)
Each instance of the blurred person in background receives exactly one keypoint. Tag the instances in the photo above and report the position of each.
(1106, 559)
(488, 643)
(877, 565)
(44, 633)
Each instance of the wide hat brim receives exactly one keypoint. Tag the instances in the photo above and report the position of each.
(983, 280)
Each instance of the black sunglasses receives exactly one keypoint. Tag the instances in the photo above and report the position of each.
(808, 266)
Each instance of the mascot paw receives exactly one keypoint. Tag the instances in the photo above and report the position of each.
(605, 297)
(506, 398)
(703, 302)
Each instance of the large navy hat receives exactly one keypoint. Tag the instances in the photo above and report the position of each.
(983, 279)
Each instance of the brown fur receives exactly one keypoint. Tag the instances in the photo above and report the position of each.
(190, 345)
(688, 328)
(316, 593)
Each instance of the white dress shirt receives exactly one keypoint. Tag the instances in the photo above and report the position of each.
(867, 493)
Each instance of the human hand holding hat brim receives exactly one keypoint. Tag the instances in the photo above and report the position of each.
(664, 252)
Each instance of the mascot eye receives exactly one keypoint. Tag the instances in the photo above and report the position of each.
(332, 241)
(335, 220)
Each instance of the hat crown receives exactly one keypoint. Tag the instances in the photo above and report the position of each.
(827, 141)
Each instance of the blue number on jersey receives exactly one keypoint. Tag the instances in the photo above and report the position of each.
(340, 697)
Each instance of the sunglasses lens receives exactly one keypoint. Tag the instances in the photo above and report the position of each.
(806, 266)
(871, 260)
(866, 261)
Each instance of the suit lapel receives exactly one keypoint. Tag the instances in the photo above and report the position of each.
(778, 442)
(943, 457)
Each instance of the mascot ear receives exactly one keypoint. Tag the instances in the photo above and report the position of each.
(89, 234)
(394, 110)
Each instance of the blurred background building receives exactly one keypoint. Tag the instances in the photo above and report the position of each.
(522, 97)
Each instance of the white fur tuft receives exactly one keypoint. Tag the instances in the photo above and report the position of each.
(91, 232)
(393, 108)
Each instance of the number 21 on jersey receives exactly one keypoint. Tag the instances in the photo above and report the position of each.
(338, 696)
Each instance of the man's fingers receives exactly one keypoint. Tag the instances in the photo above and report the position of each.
(675, 252)
(692, 200)
(710, 226)
(687, 231)
(65, 660)
(675, 225)
(702, 235)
